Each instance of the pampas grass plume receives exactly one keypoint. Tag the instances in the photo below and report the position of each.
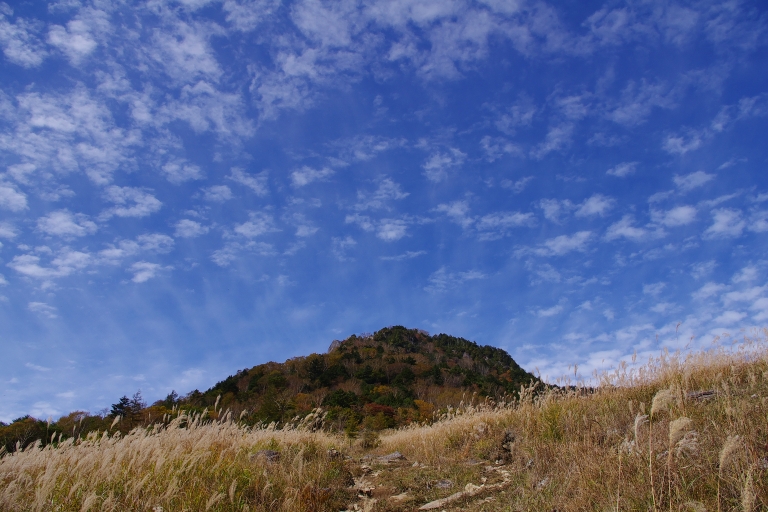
(728, 451)
(661, 401)
(677, 429)
(748, 497)
(640, 420)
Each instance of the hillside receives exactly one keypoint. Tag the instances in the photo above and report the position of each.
(684, 433)
(390, 378)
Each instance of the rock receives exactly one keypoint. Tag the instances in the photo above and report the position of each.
(334, 345)
(399, 497)
(507, 442)
(392, 457)
(444, 484)
(701, 394)
(442, 502)
(268, 455)
(335, 454)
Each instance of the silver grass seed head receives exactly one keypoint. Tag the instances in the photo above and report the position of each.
(640, 420)
(677, 429)
(748, 496)
(727, 453)
(661, 401)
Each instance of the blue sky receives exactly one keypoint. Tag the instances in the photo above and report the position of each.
(191, 188)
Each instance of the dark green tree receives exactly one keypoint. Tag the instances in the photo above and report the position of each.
(121, 408)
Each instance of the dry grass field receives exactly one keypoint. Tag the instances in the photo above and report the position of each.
(682, 432)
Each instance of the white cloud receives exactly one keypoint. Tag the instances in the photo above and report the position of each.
(131, 202)
(496, 147)
(365, 147)
(75, 41)
(489, 227)
(382, 198)
(304, 228)
(187, 228)
(654, 288)
(439, 164)
(341, 246)
(624, 228)
(678, 216)
(678, 145)
(623, 169)
(558, 138)
(638, 101)
(553, 208)
(496, 225)
(257, 183)
(761, 306)
(231, 250)
(11, 198)
(458, 211)
(144, 271)
(20, 43)
(746, 295)
(66, 133)
(152, 242)
(180, 171)
(206, 108)
(693, 180)
(758, 222)
(45, 310)
(408, 255)
(259, 224)
(554, 310)
(155, 242)
(65, 224)
(564, 244)
(730, 318)
(391, 230)
(184, 53)
(32, 366)
(7, 230)
(442, 280)
(574, 107)
(520, 114)
(307, 175)
(708, 290)
(246, 15)
(363, 221)
(547, 273)
(217, 193)
(745, 275)
(65, 263)
(699, 270)
(662, 307)
(517, 186)
(598, 204)
(727, 223)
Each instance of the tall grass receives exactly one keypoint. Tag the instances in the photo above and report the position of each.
(682, 432)
(598, 449)
(203, 466)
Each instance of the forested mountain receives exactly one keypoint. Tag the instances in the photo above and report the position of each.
(391, 378)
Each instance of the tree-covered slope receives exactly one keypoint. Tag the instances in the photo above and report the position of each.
(392, 377)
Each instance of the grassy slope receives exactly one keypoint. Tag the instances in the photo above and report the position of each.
(571, 451)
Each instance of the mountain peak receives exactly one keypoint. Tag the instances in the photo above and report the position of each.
(396, 376)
